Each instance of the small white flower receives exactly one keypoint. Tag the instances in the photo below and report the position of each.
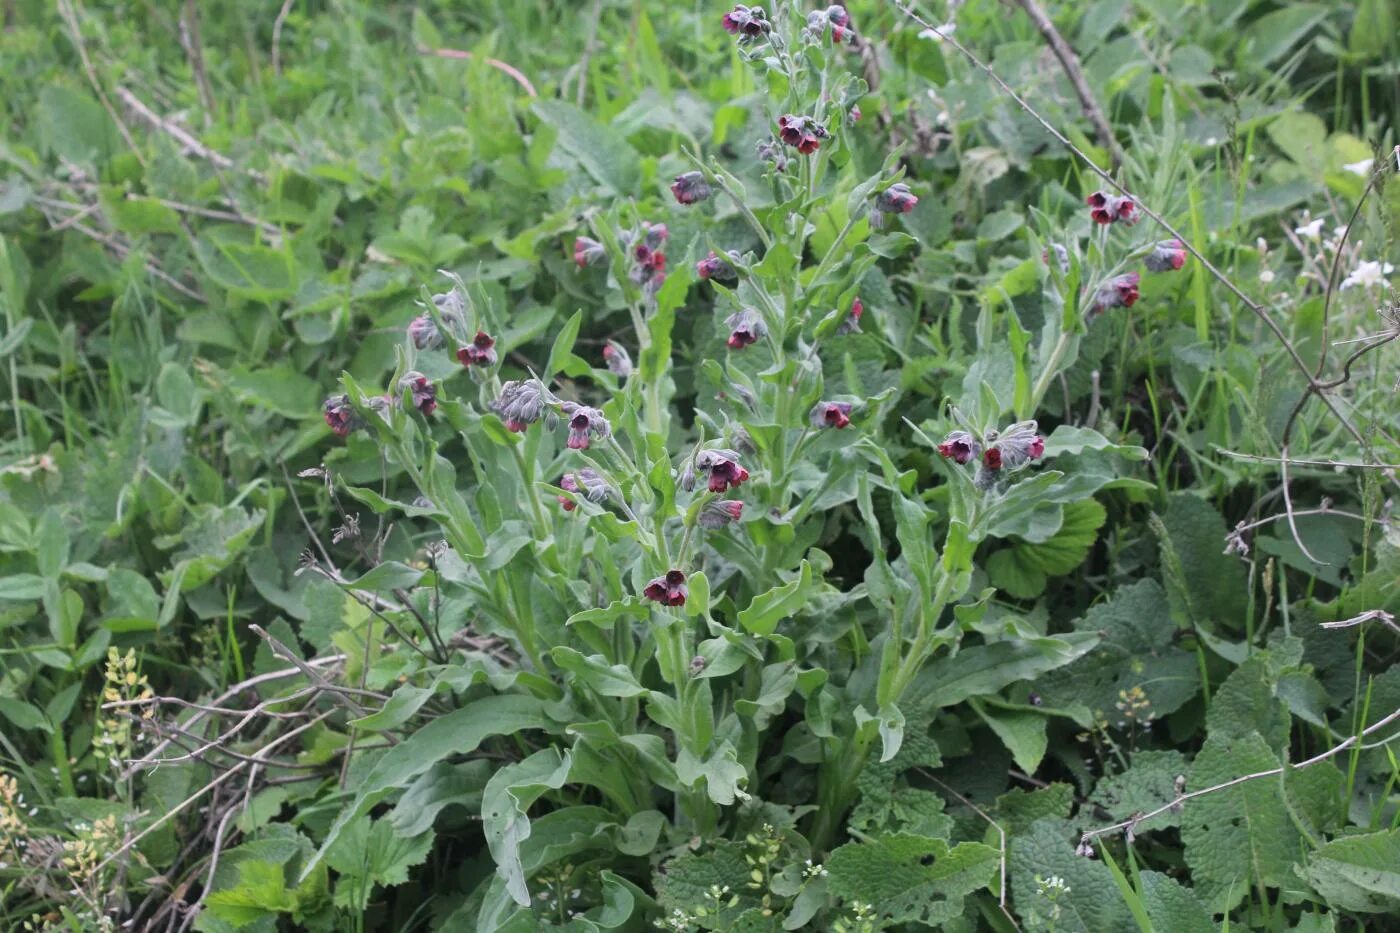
(1368, 274)
(938, 34)
(1311, 230)
(1262, 245)
(1212, 141)
(1362, 168)
(1266, 276)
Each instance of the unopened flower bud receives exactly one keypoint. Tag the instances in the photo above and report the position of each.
(1061, 257)
(618, 361)
(423, 391)
(896, 199)
(588, 252)
(340, 416)
(423, 332)
(716, 266)
(746, 22)
(521, 403)
(1166, 256)
(719, 513)
(1121, 291)
(850, 324)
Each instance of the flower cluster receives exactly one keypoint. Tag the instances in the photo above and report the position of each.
(589, 482)
(424, 393)
(113, 740)
(1121, 291)
(719, 267)
(480, 352)
(718, 513)
(722, 467)
(668, 590)
(588, 251)
(521, 403)
(830, 414)
(896, 199)
(585, 424)
(1108, 208)
(746, 22)
(617, 359)
(802, 133)
(834, 16)
(1166, 256)
(1002, 451)
(648, 268)
(340, 416)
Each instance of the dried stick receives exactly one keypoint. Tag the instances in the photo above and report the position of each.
(1370, 615)
(181, 135)
(193, 42)
(1180, 799)
(277, 36)
(496, 63)
(1070, 63)
(1001, 846)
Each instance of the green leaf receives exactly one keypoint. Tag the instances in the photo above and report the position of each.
(21, 587)
(1022, 732)
(911, 879)
(1093, 904)
(1068, 439)
(52, 544)
(247, 270)
(1149, 783)
(1214, 588)
(390, 575)
(74, 127)
(563, 346)
(1247, 834)
(261, 892)
(1022, 570)
(603, 152)
(401, 707)
(457, 733)
(609, 680)
(370, 853)
(984, 669)
(23, 715)
(767, 609)
(1372, 28)
(505, 806)
(1360, 873)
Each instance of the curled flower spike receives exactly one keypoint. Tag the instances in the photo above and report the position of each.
(588, 251)
(770, 150)
(424, 392)
(450, 305)
(480, 352)
(340, 417)
(584, 424)
(1014, 447)
(896, 199)
(747, 22)
(1166, 256)
(719, 513)
(652, 236)
(853, 115)
(1121, 291)
(960, 447)
(722, 467)
(1061, 257)
(850, 324)
(618, 361)
(802, 133)
(830, 414)
(520, 404)
(589, 482)
(745, 329)
(837, 18)
(690, 188)
(1108, 208)
(715, 266)
(668, 590)
(649, 265)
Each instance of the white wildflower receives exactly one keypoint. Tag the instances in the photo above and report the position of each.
(1362, 168)
(1311, 230)
(1368, 274)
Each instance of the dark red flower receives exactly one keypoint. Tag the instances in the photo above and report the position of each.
(690, 188)
(584, 423)
(1017, 445)
(802, 133)
(991, 458)
(568, 484)
(960, 447)
(723, 469)
(340, 416)
(668, 590)
(1166, 256)
(745, 21)
(745, 329)
(1106, 208)
(480, 352)
(1121, 291)
(896, 199)
(830, 414)
(850, 324)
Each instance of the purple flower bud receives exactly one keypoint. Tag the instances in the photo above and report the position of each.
(424, 392)
(837, 18)
(480, 352)
(690, 188)
(1014, 447)
(687, 476)
(740, 438)
(423, 333)
(770, 150)
(451, 306)
(853, 115)
(1166, 256)
(896, 199)
(830, 414)
(584, 423)
(747, 22)
(587, 481)
(745, 329)
(718, 513)
(521, 403)
(340, 416)
(649, 266)
(1121, 291)
(960, 447)
(618, 361)
(717, 267)
(722, 467)
(567, 484)
(668, 590)
(1061, 257)
(1106, 208)
(588, 252)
